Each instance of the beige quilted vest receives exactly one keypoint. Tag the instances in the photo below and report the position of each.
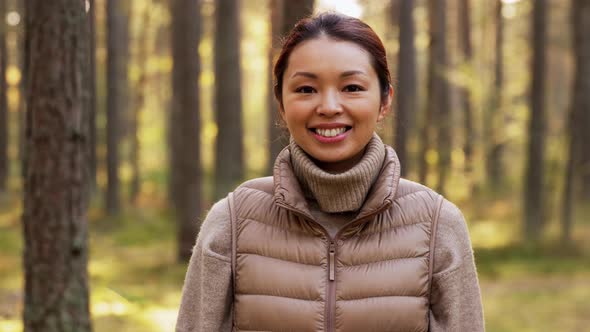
(374, 275)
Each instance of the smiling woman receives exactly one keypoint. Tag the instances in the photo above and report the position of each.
(336, 240)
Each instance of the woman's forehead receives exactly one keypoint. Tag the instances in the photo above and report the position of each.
(328, 55)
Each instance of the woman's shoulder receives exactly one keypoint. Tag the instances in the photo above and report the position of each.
(264, 184)
(449, 215)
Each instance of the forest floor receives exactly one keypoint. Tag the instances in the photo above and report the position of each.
(136, 283)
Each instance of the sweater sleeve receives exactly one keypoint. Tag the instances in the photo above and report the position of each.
(207, 293)
(455, 298)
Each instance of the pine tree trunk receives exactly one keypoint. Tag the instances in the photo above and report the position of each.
(56, 180)
(406, 92)
(3, 103)
(184, 123)
(441, 106)
(284, 15)
(139, 102)
(92, 94)
(533, 202)
(437, 108)
(465, 92)
(581, 94)
(567, 205)
(276, 135)
(293, 11)
(426, 129)
(494, 122)
(117, 49)
(229, 155)
(22, 6)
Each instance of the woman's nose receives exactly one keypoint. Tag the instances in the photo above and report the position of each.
(330, 104)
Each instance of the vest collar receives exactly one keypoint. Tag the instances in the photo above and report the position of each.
(288, 191)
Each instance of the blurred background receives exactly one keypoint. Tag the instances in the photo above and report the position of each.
(492, 110)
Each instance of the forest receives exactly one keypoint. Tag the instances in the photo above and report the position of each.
(122, 122)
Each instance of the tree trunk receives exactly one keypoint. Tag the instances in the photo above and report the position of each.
(465, 92)
(184, 124)
(56, 182)
(568, 191)
(3, 103)
(437, 105)
(284, 15)
(92, 94)
(229, 159)
(441, 105)
(22, 64)
(140, 86)
(494, 122)
(581, 94)
(276, 134)
(533, 202)
(117, 50)
(426, 129)
(406, 93)
(293, 11)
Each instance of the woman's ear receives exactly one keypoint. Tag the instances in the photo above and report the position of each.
(386, 104)
(281, 111)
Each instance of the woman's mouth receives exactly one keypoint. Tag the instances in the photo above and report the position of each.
(330, 135)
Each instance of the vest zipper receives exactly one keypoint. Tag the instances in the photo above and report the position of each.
(332, 253)
(331, 292)
(331, 296)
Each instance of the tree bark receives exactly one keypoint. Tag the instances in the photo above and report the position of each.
(184, 124)
(406, 93)
(534, 200)
(56, 180)
(277, 138)
(441, 106)
(437, 107)
(426, 129)
(567, 205)
(3, 102)
(293, 11)
(22, 108)
(229, 155)
(92, 94)
(284, 15)
(465, 92)
(117, 89)
(139, 102)
(581, 94)
(494, 119)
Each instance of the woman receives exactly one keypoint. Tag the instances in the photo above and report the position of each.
(335, 240)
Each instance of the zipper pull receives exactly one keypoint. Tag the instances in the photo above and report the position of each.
(332, 259)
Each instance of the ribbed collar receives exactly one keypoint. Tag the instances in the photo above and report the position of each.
(340, 192)
(288, 193)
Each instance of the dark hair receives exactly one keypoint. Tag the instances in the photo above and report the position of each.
(339, 27)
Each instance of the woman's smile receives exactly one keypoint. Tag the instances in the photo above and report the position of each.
(330, 132)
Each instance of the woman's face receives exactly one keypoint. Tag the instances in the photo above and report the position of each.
(332, 101)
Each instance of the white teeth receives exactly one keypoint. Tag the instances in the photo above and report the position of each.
(330, 132)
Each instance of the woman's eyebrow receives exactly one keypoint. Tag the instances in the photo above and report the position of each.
(305, 74)
(314, 76)
(352, 72)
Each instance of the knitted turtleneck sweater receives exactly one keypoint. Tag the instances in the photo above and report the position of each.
(341, 192)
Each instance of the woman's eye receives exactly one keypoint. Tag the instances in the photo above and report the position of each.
(353, 88)
(305, 89)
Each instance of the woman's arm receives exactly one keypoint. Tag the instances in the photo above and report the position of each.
(455, 298)
(207, 292)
